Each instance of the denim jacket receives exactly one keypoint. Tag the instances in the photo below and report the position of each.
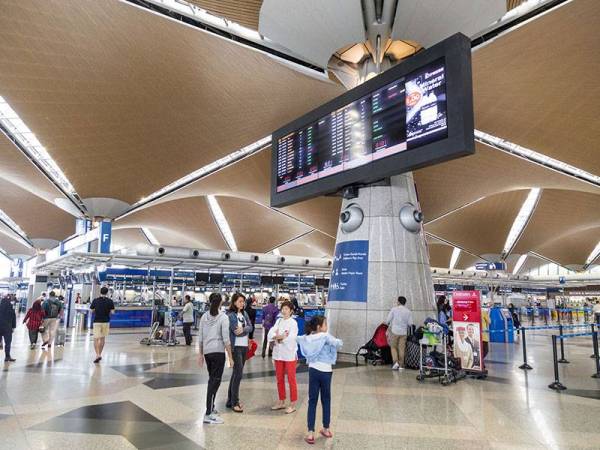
(233, 323)
(319, 347)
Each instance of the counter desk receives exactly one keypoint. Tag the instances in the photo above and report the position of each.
(122, 317)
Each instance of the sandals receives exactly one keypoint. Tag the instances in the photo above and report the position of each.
(309, 440)
(277, 407)
(327, 434)
(237, 409)
(290, 410)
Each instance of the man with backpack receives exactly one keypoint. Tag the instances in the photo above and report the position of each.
(52, 310)
(102, 308)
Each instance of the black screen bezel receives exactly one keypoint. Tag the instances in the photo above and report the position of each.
(456, 51)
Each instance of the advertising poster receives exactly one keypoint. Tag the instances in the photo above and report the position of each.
(350, 272)
(426, 115)
(466, 323)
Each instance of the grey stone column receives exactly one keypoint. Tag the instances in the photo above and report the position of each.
(398, 264)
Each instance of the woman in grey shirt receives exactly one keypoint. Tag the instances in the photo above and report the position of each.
(214, 341)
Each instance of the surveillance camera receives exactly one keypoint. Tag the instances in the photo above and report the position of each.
(411, 218)
(351, 218)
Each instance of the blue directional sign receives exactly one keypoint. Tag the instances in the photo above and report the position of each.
(350, 273)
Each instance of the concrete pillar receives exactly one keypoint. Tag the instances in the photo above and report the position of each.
(398, 264)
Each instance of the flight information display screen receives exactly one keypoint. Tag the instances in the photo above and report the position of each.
(402, 115)
(397, 121)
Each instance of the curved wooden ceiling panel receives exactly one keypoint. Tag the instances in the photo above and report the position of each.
(38, 218)
(17, 169)
(483, 226)
(572, 249)
(560, 214)
(537, 86)
(185, 222)
(466, 260)
(445, 187)
(14, 247)
(315, 244)
(250, 179)
(244, 12)
(439, 254)
(127, 101)
(257, 228)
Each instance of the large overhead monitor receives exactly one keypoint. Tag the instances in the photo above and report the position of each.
(417, 113)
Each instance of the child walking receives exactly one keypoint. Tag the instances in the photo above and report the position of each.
(34, 319)
(283, 334)
(320, 349)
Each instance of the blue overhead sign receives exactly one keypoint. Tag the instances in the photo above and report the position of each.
(104, 237)
(500, 265)
(350, 273)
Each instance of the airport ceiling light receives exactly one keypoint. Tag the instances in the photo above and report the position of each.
(150, 236)
(206, 170)
(15, 228)
(222, 223)
(532, 155)
(454, 258)
(521, 220)
(519, 264)
(28, 142)
(593, 256)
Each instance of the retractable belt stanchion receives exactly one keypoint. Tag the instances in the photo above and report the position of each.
(593, 325)
(596, 355)
(562, 359)
(557, 385)
(524, 366)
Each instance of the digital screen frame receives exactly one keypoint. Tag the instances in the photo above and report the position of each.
(459, 140)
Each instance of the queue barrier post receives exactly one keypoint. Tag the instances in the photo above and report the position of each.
(524, 366)
(562, 359)
(593, 325)
(596, 355)
(557, 385)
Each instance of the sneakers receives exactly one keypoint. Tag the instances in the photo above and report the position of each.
(396, 366)
(213, 419)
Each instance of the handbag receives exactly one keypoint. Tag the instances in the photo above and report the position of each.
(41, 329)
(252, 346)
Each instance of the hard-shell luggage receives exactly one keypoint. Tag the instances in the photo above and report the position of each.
(61, 336)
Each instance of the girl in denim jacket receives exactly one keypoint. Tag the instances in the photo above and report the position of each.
(320, 350)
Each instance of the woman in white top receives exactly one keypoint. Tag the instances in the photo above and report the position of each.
(187, 316)
(283, 335)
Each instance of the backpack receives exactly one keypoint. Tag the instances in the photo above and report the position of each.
(53, 310)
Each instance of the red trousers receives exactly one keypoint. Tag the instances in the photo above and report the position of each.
(281, 368)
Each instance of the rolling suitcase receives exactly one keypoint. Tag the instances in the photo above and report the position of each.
(61, 337)
(412, 354)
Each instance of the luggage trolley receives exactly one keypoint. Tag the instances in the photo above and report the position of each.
(434, 363)
(166, 335)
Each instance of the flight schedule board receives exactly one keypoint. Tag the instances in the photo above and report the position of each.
(390, 124)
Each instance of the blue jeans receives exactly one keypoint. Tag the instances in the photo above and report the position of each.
(319, 382)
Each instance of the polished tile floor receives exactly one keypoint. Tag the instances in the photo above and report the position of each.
(153, 398)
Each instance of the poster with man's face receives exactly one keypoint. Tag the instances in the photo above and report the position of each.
(466, 323)
(467, 344)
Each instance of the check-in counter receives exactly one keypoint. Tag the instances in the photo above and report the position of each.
(122, 317)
